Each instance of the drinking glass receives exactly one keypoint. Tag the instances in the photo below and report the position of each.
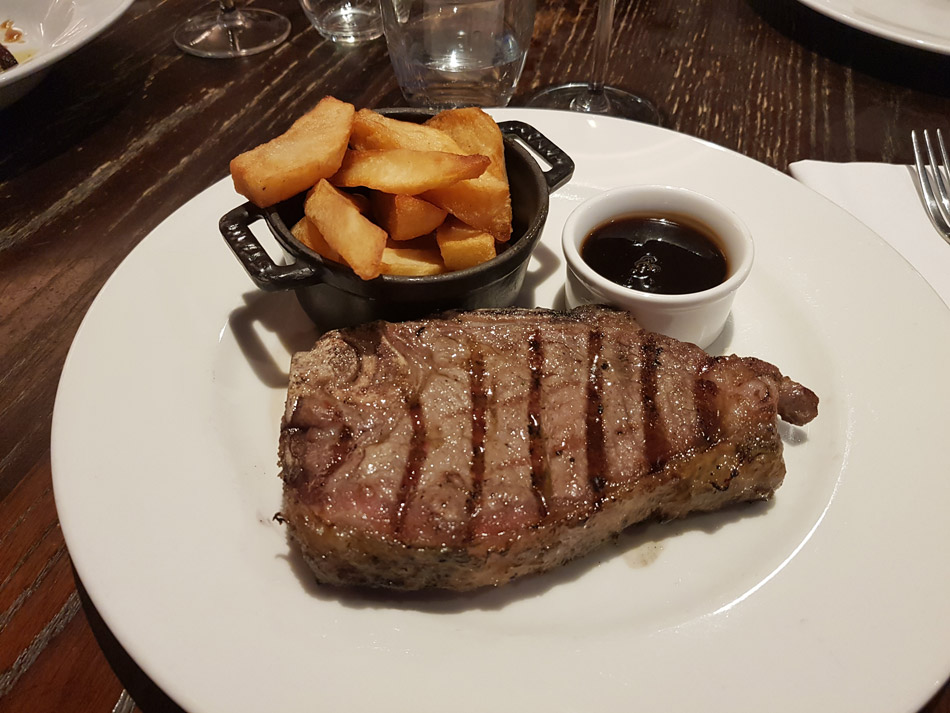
(347, 22)
(231, 32)
(594, 97)
(458, 53)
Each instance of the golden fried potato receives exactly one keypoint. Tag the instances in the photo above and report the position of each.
(475, 132)
(358, 241)
(375, 131)
(462, 245)
(483, 202)
(360, 201)
(308, 234)
(445, 180)
(405, 171)
(405, 217)
(410, 260)
(311, 149)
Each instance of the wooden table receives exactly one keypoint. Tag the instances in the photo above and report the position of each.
(127, 129)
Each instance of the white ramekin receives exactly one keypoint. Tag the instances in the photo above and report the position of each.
(697, 317)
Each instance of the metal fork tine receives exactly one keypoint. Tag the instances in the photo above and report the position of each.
(943, 148)
(926, 188)
(938, 175)
(943, 173)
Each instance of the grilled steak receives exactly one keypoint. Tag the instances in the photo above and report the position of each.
(467, 450)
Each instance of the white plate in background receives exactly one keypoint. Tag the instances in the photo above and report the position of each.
(52, 29)
(924, 24)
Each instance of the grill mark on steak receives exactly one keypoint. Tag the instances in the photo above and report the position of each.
(417, 454)
(596, 465)
(655, 440)
(705, 392)
(476, 373)
(539, 477)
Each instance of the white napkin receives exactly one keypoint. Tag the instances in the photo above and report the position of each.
(884, 197)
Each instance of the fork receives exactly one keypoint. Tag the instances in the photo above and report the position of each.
(930, 174)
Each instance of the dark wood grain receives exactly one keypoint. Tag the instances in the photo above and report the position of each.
(128, 128)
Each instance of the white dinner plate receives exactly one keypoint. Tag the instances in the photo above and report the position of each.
(831, 597)
(924, 24)
(52, 29)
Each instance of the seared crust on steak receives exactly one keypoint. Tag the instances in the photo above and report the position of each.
(467, 450)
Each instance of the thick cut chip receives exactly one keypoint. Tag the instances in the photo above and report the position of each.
(311, 149)
(463, 246)
(405, 217)
(375, 131)
(410, 260)
(360, 201)
(483, 202)
(307, 233)
(405, 171)
(475, 132)
(358, 241)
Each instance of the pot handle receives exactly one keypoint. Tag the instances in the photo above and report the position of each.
(266, 274)
(562, 167)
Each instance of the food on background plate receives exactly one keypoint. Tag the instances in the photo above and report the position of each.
(10, 34)
(7, 60)
(409, 182)
(469, 449)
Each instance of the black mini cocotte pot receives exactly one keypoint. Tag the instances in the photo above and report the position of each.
(333, 296)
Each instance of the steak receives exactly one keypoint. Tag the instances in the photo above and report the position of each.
(472, 448)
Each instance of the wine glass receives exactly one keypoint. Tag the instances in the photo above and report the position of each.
(231, 32)
(594, 97)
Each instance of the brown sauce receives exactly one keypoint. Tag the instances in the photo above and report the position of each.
(661, 254)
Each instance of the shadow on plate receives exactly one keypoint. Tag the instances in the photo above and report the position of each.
(148, 697)
(639, 546)
(280, 314)
(546, 262)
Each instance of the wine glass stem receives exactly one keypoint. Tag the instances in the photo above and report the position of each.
(605, 19)
(594, 100)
